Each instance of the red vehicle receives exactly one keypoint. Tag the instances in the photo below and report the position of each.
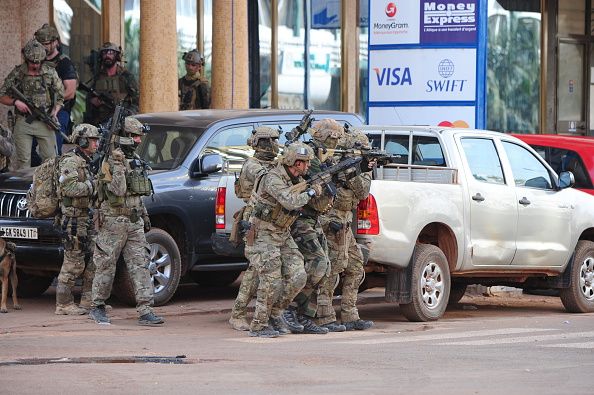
(566, 153)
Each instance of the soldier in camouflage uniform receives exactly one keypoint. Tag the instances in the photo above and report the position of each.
(122, 181)
(264, 140)
(41, 85)
(344, 252)
(76, 190)
(309, 235)
(193, 88)
(269, 245)
(114, 81)
(6, 148)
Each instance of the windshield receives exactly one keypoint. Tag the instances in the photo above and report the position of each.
(165, 148)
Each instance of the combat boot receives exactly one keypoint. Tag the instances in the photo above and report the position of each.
(358, 325)
(334, 327)
(278, 325)
(69, 309)
(264, 332)
(150, 319)
(310, 327)
(289, 318)
(239, 323)
(98, 314)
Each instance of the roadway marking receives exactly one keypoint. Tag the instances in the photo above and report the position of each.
(524, 339)
(404, 338)
(572, 345)
(289, 338)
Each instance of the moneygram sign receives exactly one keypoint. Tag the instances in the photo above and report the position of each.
(448, 22)
(395, 22)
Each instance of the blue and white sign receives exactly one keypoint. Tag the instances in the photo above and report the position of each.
(394, 22)
(458, 116)
(325, 14)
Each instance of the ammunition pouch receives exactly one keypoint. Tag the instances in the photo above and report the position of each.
(236, 233)
(77, 202)
(138, 184)
(276, 215)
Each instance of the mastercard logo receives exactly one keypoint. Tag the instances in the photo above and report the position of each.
(455, 124)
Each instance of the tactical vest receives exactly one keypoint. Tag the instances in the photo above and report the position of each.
(36, 87)
(267, 208)
(244, 184)
(114, 86)
(188, 93)
(76, 206)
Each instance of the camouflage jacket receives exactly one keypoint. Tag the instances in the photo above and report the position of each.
(122, 88)
(319, 204)
(348, 197)
(44, 91)
(75, 184)
(252, 170)
(194, 94)
(6, 149)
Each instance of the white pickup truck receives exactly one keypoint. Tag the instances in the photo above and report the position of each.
(473, 207)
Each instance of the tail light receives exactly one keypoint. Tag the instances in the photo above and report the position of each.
(220, 208)
(367, 217)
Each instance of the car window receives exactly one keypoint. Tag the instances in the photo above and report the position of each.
(528, 171)
(562, 159)
(483, 160)
(231, 144)
(165, 148)
(427, 151)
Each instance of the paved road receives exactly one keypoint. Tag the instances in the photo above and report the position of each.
(513, 345)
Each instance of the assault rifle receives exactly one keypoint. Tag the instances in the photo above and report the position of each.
(379, 156)
(106, 99)
(107, 142)
(300, 129)
(349, 167)
(37, 113)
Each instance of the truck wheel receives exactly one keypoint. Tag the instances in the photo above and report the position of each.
(215, 279)
(30, 285)
(430, 285)
(579, 297)
(457, 291)
(164, 266)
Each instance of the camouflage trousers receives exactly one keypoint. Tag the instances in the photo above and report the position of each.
(23, 140)
(119, 235)
(78, 247)
(247, 290)
(279, 267)
(311, 241)
(346, 257)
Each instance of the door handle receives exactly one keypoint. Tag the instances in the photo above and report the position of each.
(524, 201)
(478, 197)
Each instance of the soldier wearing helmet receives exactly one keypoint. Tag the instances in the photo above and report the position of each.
(193, 88)
(345, 254)
(75, 190)
(264, 141)
(269, 246)
(113, 81)
(122, 182)
(41, 85)
(49, 37)
(309, 235)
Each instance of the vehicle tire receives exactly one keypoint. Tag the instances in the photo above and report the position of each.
(579, 297)
(164, 266)
(430, 285)
(215, 279)
(30, 286)
(457, 291)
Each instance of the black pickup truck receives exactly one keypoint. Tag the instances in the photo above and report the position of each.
(188, 152)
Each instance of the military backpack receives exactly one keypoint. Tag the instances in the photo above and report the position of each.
(42, 197)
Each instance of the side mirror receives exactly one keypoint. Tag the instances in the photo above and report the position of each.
(566, 179)
(207, 164)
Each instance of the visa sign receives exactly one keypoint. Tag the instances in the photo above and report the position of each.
(393, 75)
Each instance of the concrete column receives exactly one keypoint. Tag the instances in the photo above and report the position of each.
(230, 70)
(349, 78)
(33, 14)
(158, 56)
(112, 18)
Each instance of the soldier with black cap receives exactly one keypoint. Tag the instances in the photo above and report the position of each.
(193, 88)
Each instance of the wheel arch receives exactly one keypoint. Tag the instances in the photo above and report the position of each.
(442, 236)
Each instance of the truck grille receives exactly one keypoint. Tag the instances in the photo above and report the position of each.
(14, 205)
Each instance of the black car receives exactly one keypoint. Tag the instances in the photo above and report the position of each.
(187, 152)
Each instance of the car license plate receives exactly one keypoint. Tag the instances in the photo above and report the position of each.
(19, 232)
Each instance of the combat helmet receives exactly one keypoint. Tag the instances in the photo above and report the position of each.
(46, 33)
(109, 46)
(193, 56)
(261, 133)
(296, 151)
(82, 133)
(133, 126)
(34, 51)
(355, 139)
(327, 131)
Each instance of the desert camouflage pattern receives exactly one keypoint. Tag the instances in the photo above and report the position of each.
(122, 87)
(45, 90)
(6, 148)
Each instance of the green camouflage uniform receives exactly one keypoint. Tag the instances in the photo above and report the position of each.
(122, 215)
(272, 251)
(122, 87)
(6, 148)
(45, 91)
(252, 170)
(75, 191)
(344, 252)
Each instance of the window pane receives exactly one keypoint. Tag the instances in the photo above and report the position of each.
(427, 151)
(527, 169)
(513, 67)
(483, 160)
(572, 17)
(568, 160)
(165, 148)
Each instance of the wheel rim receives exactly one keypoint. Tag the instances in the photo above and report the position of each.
(587, 278)
(432, 285)
(160, 267)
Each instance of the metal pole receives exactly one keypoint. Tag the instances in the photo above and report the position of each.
(274, 55)
(307, 28)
